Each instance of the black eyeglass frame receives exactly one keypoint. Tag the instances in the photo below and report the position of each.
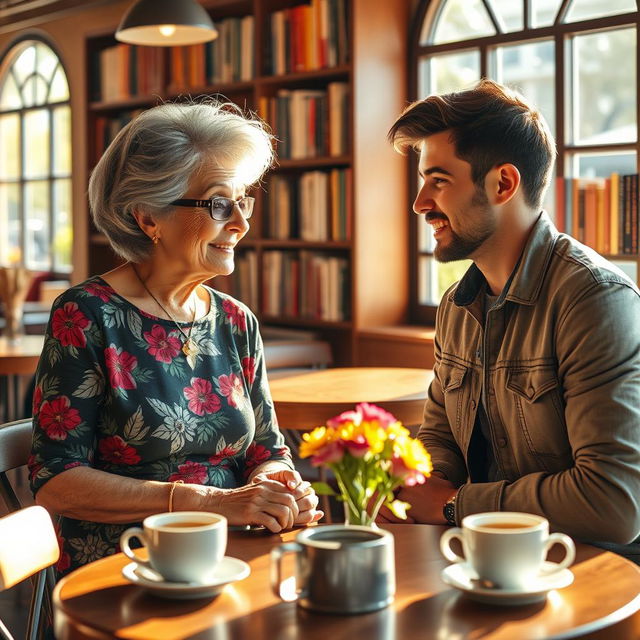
(229, 204)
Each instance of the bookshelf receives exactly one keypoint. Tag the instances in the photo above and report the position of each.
(327, 249)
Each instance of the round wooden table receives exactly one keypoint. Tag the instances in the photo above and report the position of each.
(307, 400)
(97, 602)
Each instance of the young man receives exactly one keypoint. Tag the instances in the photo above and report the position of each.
(535, 404)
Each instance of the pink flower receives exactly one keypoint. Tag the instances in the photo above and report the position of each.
(162, 347)
(333, 451)
(373, 413)
(235, 315)
(57, 418)
(249, 370)
(34, 464)
(256, 455)
(99, 290)
(116, 451)
(71, 465)
(68, 324)
(358, 447)
(345, 417)
(64, 561)
(190, 472)
(120, 365)
(411, 477)
(201, 397)
(231, 388)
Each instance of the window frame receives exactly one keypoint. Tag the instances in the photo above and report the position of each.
(560, 32)
(7, 57)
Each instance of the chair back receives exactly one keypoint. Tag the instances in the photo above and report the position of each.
(15, 447)
(29, 544)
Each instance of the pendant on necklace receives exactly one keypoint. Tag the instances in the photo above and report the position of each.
(189, 348)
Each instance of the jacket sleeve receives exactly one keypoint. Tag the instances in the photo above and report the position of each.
(435, 432)
(598, 351)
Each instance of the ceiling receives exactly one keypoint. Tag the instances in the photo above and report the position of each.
(26, 13)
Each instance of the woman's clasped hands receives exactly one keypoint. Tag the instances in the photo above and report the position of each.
(278, 499)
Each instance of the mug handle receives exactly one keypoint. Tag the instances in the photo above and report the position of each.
(277, 554)
(133, 532)
(569, 556)
(445, 546)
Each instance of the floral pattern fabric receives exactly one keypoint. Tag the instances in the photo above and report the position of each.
(115, 392)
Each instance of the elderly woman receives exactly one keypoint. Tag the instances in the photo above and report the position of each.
(151, 393)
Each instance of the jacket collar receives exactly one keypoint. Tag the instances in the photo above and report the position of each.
(526, 280)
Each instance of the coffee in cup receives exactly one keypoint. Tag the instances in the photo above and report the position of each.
(506, 548)
(183, 546)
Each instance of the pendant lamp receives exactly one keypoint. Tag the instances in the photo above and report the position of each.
(166, 23)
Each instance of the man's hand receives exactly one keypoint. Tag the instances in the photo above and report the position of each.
(426, 502)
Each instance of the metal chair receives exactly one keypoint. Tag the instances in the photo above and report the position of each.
(29, 547)
(15, 447)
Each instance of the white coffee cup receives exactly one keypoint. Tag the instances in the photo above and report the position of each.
(507, 548)
(183, 546)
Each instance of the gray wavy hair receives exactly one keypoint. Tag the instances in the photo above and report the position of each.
(150, 162)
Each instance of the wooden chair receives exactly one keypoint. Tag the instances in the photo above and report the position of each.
(290, 357)
(15, 448)
(29, 546)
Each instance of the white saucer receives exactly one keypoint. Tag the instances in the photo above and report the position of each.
(229, 570)
(460, 576)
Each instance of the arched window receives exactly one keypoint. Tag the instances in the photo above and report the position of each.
(575, 59)
(35, 159)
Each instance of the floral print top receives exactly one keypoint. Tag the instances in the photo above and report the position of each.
(114, 391)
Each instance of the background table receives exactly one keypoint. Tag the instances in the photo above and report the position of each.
(309, 399)
(17, 358)
(97, 602)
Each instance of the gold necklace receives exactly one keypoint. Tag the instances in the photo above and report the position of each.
(190, 346)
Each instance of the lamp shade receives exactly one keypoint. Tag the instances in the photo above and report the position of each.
(166, 23)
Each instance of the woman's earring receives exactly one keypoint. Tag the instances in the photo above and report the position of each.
(155, 238)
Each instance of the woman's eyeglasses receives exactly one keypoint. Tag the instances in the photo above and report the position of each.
(220, 208)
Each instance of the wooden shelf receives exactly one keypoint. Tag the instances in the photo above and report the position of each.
(376, 36)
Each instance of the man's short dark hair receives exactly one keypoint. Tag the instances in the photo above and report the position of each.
(490, 125)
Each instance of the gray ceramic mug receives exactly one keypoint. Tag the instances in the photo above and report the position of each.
(339, 569)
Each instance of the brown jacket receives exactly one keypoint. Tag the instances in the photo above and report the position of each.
(557, 366)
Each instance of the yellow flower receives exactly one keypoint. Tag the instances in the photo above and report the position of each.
(315, 440)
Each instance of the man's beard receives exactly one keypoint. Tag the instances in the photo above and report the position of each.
(461, 248)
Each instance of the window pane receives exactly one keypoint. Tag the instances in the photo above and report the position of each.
(510, 13)
(450, 72)
(461, 20)
(62, 141)
(36, 140)
(604, 108)
(46, 61)
(10, 147)
(10, 98)
(62, 224)
(59, 88)
(544, 12)
(9, 221)
(36, 196)
(602, 165)
(585, 9)
(529, 68)
(25, 64)
(434, 278)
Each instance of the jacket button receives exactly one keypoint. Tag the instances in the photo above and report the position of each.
(502, 442)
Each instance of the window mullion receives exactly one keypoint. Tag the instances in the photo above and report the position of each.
(51, 216)
(561, 101)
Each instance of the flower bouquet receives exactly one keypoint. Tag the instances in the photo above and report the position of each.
(371, 454)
